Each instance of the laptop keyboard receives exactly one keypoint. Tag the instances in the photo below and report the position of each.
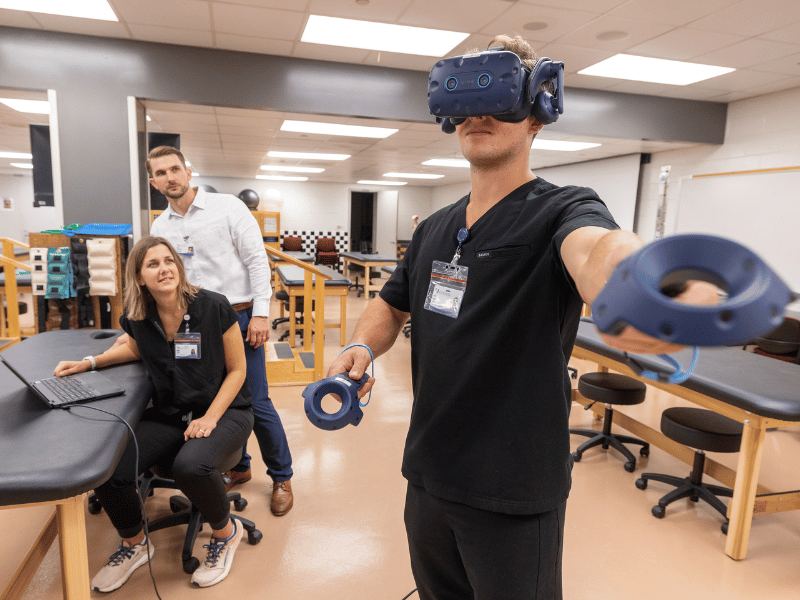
(68, 389)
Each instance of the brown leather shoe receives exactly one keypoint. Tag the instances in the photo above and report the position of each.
(233, 478)
(282, 498)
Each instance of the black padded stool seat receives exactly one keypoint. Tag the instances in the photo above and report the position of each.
(703, 430)
(611, 389)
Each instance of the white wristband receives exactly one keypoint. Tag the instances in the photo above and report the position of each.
(91, 360)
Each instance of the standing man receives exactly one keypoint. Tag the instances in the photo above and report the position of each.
(487, 456)
(223, 251)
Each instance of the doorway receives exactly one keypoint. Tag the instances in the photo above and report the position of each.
(362, 215)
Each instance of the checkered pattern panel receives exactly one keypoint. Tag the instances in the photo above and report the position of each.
(310, 239)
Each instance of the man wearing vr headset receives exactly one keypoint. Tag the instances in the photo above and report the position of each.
(495, 284)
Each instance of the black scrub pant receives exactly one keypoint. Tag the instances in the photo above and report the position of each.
(463, 553)
(195, 467)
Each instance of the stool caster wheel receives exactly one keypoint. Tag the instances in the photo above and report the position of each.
(576, 457)
(190, 566)
(658, 512)
(175, 507)
(630, 467)
(724, 528)
(94, 506)
(645, 451)
(641, 484)
(240, 504)
(253, 537)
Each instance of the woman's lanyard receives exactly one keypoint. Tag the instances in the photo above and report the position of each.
(187, 344)
(448, 282)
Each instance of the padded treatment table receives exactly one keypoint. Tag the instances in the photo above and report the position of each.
(54, 456)
(291, 278)
(758, 391)
(366, 261)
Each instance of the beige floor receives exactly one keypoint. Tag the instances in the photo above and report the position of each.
(344, 539)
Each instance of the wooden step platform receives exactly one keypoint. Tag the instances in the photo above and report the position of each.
(288, 366)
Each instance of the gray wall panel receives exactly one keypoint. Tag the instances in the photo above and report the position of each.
(94, 76)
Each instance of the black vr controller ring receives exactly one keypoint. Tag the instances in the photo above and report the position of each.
(344, 387)
(634, 293)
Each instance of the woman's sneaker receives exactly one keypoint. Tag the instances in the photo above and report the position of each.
(120, 566)
(219, 558)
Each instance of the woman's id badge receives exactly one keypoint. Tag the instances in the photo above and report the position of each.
(187, 345)
(447, 287)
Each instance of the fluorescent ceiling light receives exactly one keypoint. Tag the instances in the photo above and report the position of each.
(336, 129)
(282, 177)
(368, 182)
(195, 174)
(148, 117)
(22, 165)
(83, 9)
(561, 145)
(39, 107)
(27, 155)
(367, 35)
(308, 155)
(292, 169)
(653, 70)
(413, 175)
(447, 162)
(188, 164)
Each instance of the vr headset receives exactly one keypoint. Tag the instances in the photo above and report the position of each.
(494, 83)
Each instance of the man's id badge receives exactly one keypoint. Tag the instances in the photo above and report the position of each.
(447, 287)
(187, 345)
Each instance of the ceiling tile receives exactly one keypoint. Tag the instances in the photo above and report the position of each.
(748, 53)
(637, 32)
(743, 79)
(285, 4)
(257, 22)
(751, 18)
(471, 15)
(257, 45)
(674, 12)
(382, 11)
(559, 21)
(683, 44)
(596, 6)
(331, 53)
(574, 58)
(178, 14)
(18, 18)
(788, 65)
(394, 60)
(789, 34)
(82, 26)
(186, 37)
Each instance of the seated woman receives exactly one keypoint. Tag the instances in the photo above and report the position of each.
(191, 345)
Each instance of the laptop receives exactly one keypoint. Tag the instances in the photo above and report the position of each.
(60, 392)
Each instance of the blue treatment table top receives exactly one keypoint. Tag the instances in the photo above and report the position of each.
(52, 454)
(292, 275)
(758, 384)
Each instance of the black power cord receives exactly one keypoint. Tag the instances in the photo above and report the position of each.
(138, 494)
(409, 593)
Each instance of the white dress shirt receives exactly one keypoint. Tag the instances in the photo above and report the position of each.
(221, 247)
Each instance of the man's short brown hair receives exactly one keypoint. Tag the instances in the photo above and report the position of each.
(162, 151)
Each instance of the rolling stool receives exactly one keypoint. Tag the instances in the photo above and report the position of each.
(610, 389)
(702, 430)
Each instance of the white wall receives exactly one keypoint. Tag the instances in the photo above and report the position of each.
(318, 206)
(24, 218)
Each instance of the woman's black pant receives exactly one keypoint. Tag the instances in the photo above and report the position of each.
(195, 467)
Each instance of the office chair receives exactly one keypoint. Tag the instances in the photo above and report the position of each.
(292, 243)
(611, 389)
(283, 296)
(702, 430)
(183, 511)
(325, 253)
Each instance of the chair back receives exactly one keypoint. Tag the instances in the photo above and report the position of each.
(292, 243)
(326, 244)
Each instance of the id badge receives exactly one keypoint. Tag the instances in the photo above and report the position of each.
(446, 290)
(184, 249)
(187, 345)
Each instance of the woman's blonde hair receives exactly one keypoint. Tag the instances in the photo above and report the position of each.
(137, 297)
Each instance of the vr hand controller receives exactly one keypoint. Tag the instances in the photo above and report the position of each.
(494, 83)
(636, 294)
(344, 387)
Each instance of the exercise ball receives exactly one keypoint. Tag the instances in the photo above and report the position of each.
(209, 188)
(250, 199)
